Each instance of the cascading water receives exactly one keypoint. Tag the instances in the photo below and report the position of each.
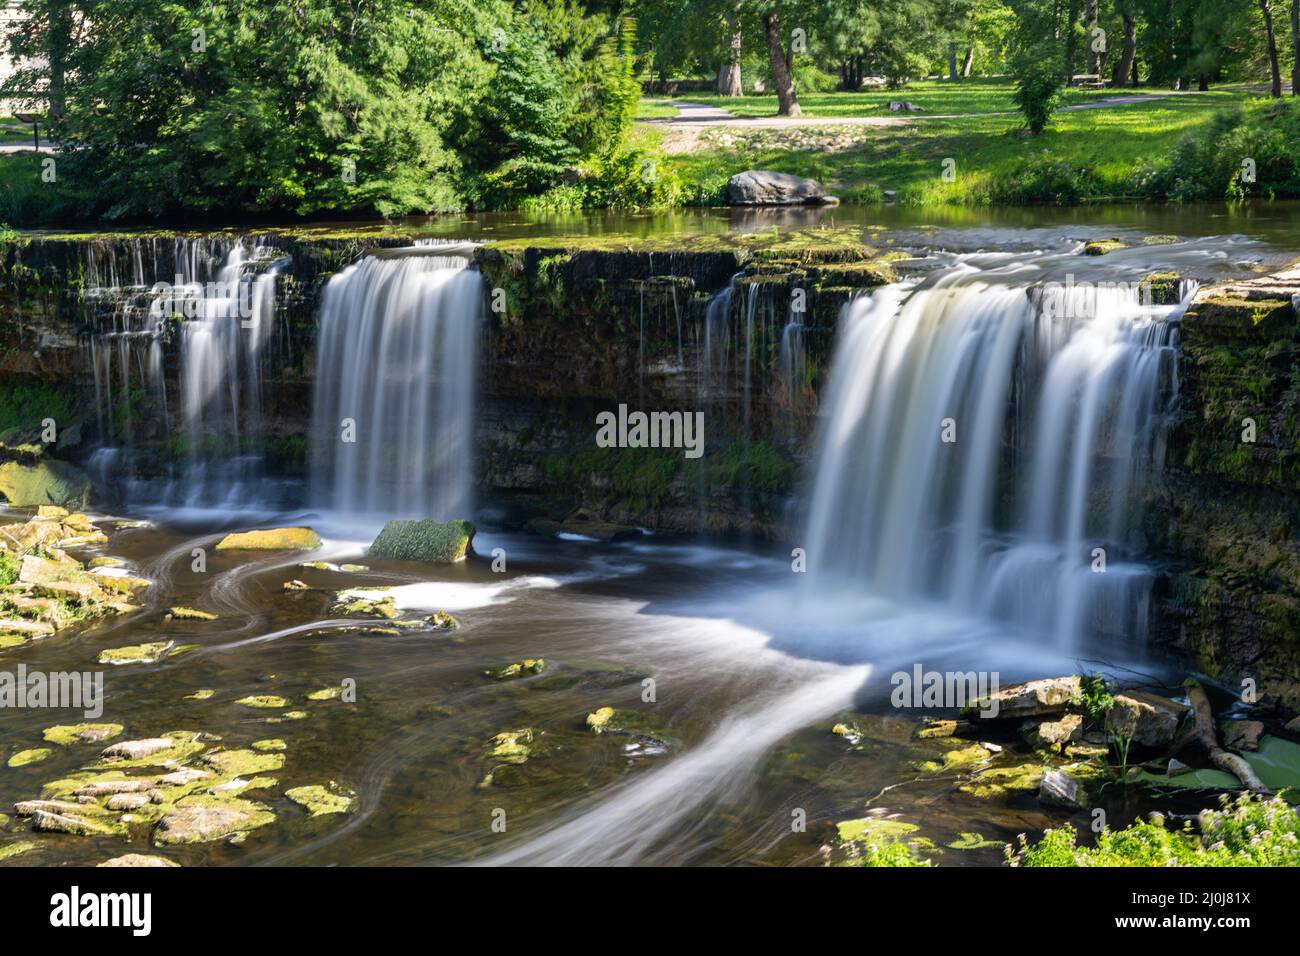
(394, 395)
(986, 432)
(219, 296)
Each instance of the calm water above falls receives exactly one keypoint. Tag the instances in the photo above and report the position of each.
(914, 555)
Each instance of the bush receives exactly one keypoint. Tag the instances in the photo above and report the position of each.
(1247, 831)
(1208, 164)
(1038, 87)
(1045, 179)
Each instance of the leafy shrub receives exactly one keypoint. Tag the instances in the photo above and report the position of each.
(1046, 179)
(9, 566)
(1094, 698)
(1247, 831)
(1038, 87)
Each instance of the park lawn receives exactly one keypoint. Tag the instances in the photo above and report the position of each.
(989, 153)
(655, 109)
(982, 95)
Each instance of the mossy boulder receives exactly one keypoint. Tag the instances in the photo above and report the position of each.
(1099, 247)
(24, 757)
(439, 542)
(321, 800)
(46, 482)
(68, 734)
(271, 539)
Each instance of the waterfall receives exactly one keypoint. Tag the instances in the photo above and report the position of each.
(984, 439)
(394, 394)
(218, 295)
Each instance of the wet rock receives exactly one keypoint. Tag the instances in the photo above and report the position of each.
(49, 480)
(932, 727)
(1034, 698)
(1293, 726)
(270, 745)
(1242, 734)
(138, 749)
(959, 759)
(242, 763)
(512, 746)
(127, 801)
(296, 585)
(320, 801)
(189, 614)
(326, 693)
(354, 568)
(1000, 781)
(11, 850)
(106, 788)
(24, 757)
(59, 816)
(1052, 733)
(519, 669)
(203, 693)
(120, 583)
(1176, 767)
(150, 653)
(203, 819)
(440, 542)
(105, 562)
(599, 721)
(182, 777)
(263, 700)
(66, 734)
(1149, 719)
(761, 187)
(848, 731)
(1059, 789)
(1099, 247)
(271, 539)
(368, 601)
(442, 621)
(139, 860)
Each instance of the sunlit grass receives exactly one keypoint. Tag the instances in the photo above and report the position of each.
(655, 109)
(908, 159)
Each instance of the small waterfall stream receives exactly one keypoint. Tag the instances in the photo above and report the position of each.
(985, 434)
(394, 394)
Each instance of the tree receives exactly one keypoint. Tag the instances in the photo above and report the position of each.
(1275, 72)
(1124, 65)
(780, 59)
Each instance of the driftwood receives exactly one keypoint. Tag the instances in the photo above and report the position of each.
(1203, 733)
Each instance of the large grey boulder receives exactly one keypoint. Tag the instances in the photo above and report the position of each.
(1149, 719)
(761, 187)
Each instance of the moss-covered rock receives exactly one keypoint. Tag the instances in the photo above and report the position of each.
(150, 653)
(44, 482)
(189, 614)
(68, 734)
(263, 700)
(24, 757)
(1099, 247)
(439, 542)
(321, 800)
(517, 669)
(271, 539)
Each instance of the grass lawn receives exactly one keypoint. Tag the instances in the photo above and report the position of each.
(655, 109)
(935, 96)
(908, 159)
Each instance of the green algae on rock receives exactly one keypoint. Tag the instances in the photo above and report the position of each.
(46, 481)
(201, 818)
(269, 745)
(67, 734)
(271, 539)
(203, 693)
(517, 669)
(962, 758)
(25, 757)
(150, 653)
(326, 693)
(438, 542)
(321, 800)
(189, 614)
(442, 621)
(240, 763)
(10, 850)
(263, 700)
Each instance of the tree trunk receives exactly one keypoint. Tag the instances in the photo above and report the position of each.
(729, 74)
(1295, 47)
(1125, 65)
(786, 98)
(970, 58)
(952, 62)
(1203, 83)
(59, 42)
(1094, 58)
(1203, 733)
(1266, 8)
(1071, 17)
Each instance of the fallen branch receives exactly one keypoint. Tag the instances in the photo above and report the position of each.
(1203, 733)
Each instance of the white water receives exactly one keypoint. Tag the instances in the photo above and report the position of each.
(395, 371)
(1064, 388)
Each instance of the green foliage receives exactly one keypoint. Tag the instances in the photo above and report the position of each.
(24, 405)
(1247, 831)
(1209, 164)
(889, 854)
(182, 107)
(1094, 698)
(9, 566)
(7, 232)
(1038, 87)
